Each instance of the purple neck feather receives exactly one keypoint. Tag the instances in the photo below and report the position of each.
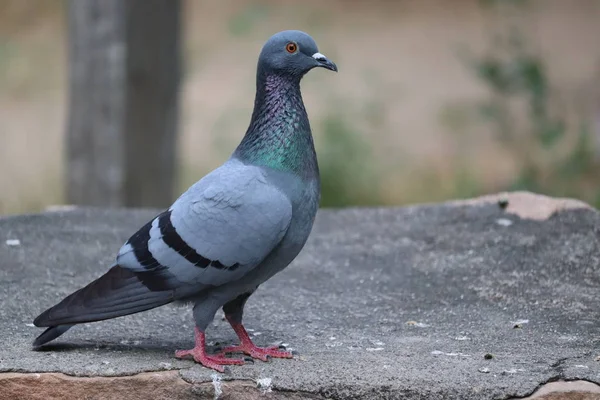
(279, 134)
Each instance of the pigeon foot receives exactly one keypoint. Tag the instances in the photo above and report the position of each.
(247, 347)
(199, 355)
(260, 353)
(214, 362)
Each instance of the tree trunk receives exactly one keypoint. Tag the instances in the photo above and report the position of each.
(124, 79)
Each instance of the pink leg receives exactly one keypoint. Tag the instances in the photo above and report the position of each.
(200, 356)
(247, 347)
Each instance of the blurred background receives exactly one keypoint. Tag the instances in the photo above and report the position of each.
(435, 99)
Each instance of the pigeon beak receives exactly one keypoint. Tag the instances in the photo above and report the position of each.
(324, 62)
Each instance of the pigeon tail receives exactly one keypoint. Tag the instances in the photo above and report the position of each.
(117, 293)
(50, 334)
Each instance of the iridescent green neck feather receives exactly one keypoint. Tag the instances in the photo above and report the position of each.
(279, 135)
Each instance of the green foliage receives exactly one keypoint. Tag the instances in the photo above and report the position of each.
(346, 166)
(465, 184)
(515, 75)
(7, 50)
(492, 3)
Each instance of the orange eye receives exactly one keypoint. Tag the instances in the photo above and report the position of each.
(291, 47)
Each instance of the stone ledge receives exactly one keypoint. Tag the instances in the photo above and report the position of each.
(462, 300)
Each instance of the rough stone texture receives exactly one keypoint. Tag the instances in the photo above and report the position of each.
(398, 303)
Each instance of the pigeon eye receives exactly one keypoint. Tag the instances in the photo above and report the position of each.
(291, 47)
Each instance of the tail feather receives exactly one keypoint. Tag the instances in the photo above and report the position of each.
(117, 293)
(50, 334)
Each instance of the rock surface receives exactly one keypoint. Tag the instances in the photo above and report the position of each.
(463, 300)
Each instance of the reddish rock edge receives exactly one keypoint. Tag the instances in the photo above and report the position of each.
(526, 205)
(169, 385)
(146, 385)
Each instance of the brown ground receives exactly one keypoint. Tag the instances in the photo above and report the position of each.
(401, 86)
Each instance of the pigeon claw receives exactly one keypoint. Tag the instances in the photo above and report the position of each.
(260, 353)
(247, 347)
(199, 355)
(214, 362)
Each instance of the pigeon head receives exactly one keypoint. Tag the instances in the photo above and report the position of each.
(279, 135)
(292, 53)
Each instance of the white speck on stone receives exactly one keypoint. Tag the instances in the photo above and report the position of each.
(504, 222)
(125, 342)
(581, 366)
(256, 333)
(250, 329)
(264, 384)
(442, 353)
(165, 365)
(285, 345)
(105, 362)
(513, 371)
(216, 381)
(378, 343)
(30, 325)
(137, 342)
(569, 338)
(332, 338)
(484, 370)
(13, 242)
(374, 348)
(461, 338)
(521, 322)
(417, 324)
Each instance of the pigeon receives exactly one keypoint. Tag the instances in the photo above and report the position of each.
(229, 232)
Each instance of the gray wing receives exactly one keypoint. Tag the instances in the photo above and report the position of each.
(215, 233)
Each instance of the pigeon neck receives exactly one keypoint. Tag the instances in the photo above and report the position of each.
(279, 134)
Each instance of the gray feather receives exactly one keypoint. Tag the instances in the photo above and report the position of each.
(118, 292)
(50, 334)
(232, 217)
